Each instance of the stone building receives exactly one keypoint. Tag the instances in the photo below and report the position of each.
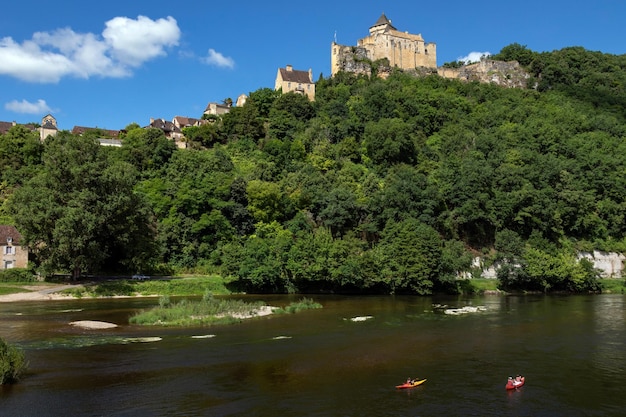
(291, 80)
(48, 127)
(401, 49)
(216, 109)
(13, 254)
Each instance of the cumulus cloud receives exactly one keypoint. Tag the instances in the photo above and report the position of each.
(473, 57)
(27, 107)
(219, 60)
(134, 41)
(124, 44)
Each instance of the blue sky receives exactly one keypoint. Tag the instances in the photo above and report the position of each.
(112, 63)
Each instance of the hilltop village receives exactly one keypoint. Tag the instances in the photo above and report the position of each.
(384, 49)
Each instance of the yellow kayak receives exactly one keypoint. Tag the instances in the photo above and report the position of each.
(412, 384)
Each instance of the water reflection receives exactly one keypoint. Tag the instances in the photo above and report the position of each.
(609, 344)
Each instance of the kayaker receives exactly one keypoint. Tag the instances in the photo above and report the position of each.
(518, 380)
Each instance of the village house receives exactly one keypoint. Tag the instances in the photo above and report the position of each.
(81, 130)
(108, 137)
(216, 109)
(170, 130)
(13, 254)
(48, 127)
(182, 122)
(300, 82)
(5, 126)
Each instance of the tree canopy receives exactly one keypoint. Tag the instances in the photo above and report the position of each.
(381, 185)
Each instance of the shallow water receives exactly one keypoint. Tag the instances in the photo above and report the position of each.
(342, 360)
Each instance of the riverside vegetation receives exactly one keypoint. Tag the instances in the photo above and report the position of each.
(379, 186)
(12, 363)
(210, 310)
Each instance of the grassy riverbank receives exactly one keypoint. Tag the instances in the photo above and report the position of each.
(199, 285)
(186, 286)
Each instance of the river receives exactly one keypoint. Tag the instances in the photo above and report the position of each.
(342, 360)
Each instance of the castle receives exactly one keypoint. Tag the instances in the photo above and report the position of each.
(402, 50)
(408, 52)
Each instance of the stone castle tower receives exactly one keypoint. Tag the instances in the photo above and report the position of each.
(402, 50)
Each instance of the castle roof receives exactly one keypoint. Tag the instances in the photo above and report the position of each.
(383, 21)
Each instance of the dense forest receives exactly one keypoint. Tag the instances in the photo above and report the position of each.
(380, 185)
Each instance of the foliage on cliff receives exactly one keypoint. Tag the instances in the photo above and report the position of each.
(379, 185)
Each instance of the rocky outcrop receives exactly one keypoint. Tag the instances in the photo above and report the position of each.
(610, 264)
(505, 74)
(353, 59)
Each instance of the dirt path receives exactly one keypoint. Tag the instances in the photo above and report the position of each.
(38, 293)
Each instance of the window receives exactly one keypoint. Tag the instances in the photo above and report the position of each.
(8, 264)
(8, 250)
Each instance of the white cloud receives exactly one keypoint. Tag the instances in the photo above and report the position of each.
(125, 44)
(473, 57)
(217, 59)
(27, 107)
(134, 41)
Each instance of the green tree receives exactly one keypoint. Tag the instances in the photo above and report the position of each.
(206, 135)
(412, 255)
(516, 52)
(148, 150)
(20, 153)
(80, 213)
(263, 261)
(389, 142)
(262, 100)
(243, 123)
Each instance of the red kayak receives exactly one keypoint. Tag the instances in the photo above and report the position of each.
(513, 384)
(411, 384)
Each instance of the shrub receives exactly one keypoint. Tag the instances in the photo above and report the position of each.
(17, 275)
(12, 363)
(303, 304)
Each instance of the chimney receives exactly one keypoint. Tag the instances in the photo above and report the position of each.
(151, 120)
(310, 75)
(289, 68)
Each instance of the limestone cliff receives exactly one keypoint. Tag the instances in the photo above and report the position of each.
(504, 74)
